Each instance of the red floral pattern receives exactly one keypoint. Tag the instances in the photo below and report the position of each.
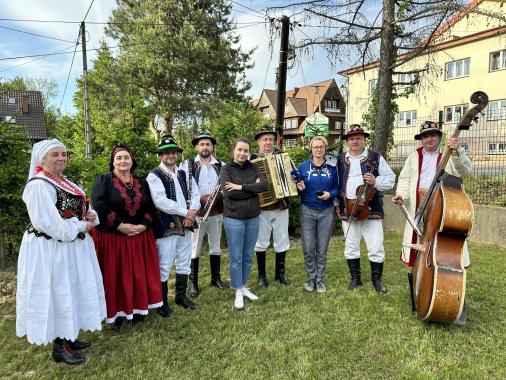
(67, 214)
(131, 205)
(110, 219)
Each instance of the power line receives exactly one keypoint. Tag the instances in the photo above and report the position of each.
(88, 11)
(114, 23)
(33, 55)
(70, 70)
(251, 9)
(35, 34)
(68, 52)
(36, 59)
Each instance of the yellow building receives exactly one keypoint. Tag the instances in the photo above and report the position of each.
(469, 54)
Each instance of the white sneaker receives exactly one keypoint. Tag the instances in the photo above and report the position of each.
(320, 287)
(246, 293)
(239, 301)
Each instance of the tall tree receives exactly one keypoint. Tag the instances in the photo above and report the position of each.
(180, 54)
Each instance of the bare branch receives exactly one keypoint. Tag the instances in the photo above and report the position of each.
(342, 21)
(333, 41)
(314, 2)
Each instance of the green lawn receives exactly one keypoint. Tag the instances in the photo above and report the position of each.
(290, 333)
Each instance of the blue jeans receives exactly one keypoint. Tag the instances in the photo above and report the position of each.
(241, 238)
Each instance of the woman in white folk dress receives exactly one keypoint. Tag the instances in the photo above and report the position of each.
(59, 290)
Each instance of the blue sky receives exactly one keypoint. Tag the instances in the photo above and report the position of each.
(14, 44)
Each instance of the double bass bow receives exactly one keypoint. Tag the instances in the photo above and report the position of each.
(446, 213)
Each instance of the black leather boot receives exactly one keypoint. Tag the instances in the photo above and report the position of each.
(262, 279)
(77, 345)
(180, 298)
(376, 273)
(165, 310)
(118, 322)
(215, 262)
(63, 353)
(280, 269)
(193, 285)
(355, 273)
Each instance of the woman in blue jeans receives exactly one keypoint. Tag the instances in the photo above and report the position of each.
(241, 181)
(318, 186)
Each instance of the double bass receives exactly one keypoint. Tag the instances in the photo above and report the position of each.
(446, 214)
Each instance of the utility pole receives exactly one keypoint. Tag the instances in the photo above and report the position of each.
(282, 68)
(87, 126)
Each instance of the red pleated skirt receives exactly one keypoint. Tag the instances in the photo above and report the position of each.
(131, 273)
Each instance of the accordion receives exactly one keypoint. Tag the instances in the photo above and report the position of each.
(276, 169)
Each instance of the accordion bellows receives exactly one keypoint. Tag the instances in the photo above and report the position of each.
(276, 169)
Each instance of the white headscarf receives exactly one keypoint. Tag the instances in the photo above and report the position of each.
(39, 150)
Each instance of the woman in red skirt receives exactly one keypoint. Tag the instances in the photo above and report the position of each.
(124, 241)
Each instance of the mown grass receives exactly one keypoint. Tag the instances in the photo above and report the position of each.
(292, 334)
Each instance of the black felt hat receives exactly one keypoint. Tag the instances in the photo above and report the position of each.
(266, 130)
(168, 144)
(203, 136)
(354, 129)
(428, 127)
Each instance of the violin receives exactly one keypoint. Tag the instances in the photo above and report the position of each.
(447, 213)
(359, 207)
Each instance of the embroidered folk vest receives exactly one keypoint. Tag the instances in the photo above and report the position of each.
(371, 161)
(68, 206)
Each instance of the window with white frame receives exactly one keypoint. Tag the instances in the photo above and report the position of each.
(454, 113)
(290, 143)
(498, 60)
(338, 125)
(288, 108)
(331, 106)
(458, 69)
(265, 113)
(406, 78)
(497, 109)
(407, 117)
(496, 147)
(291, 123)
(372, 85)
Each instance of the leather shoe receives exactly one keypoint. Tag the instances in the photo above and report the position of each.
(185, 302)
(63, 353)
(219, 284)
(77, 345)
(262, 281)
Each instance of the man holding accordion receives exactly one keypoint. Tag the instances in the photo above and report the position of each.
(273, 218)
(205, 168)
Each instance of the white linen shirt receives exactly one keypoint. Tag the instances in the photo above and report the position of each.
(207, 176)
(167, 205)
(384, 181)
(429, 166)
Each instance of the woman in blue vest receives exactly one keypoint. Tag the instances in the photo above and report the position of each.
(318, 186)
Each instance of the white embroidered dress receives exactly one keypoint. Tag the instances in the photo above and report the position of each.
(60, 289)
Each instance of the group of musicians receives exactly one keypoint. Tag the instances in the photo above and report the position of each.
(356, 167)
(194, 201)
